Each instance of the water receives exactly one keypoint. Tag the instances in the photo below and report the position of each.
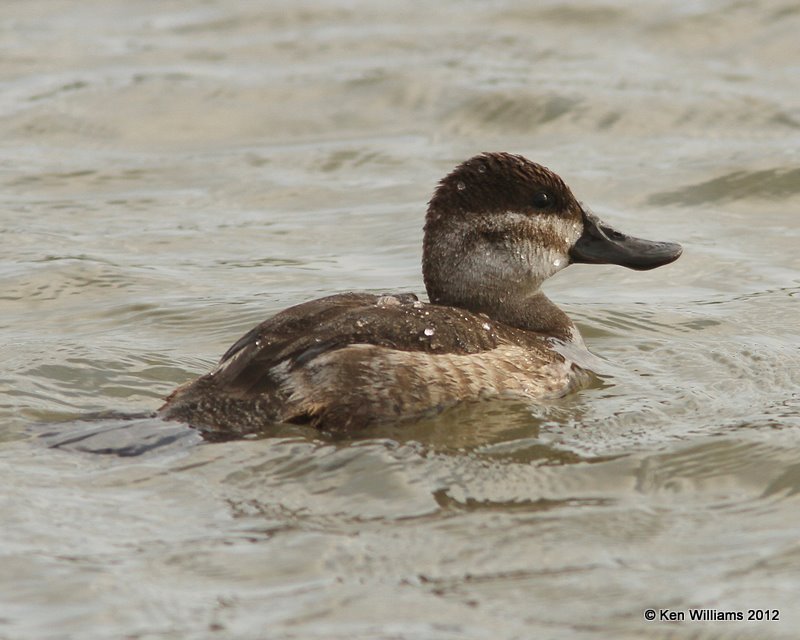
(174, 173)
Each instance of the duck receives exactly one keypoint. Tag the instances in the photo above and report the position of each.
(497, 226)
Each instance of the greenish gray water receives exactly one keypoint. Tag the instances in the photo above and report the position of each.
(172, 173)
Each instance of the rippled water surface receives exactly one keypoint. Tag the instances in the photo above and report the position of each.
(172, 173)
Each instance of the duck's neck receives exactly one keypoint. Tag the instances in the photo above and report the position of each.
(536, 313)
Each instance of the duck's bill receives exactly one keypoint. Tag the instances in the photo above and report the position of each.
(600, 244)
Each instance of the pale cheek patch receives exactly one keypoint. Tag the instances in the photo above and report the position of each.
(547, 240)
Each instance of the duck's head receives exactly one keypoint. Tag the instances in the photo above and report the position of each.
(499, 225)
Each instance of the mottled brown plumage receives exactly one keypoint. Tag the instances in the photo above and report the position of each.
(497, 227)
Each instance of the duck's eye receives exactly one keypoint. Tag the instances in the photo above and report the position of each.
(541, 200)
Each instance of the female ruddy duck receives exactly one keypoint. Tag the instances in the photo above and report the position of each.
(497, 227)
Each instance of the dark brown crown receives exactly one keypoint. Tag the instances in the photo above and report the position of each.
(498, 181)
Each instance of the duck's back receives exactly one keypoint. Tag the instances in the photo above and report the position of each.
(348, 361)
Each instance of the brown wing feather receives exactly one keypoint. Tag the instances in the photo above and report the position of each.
(304, 332)
(289, 368)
